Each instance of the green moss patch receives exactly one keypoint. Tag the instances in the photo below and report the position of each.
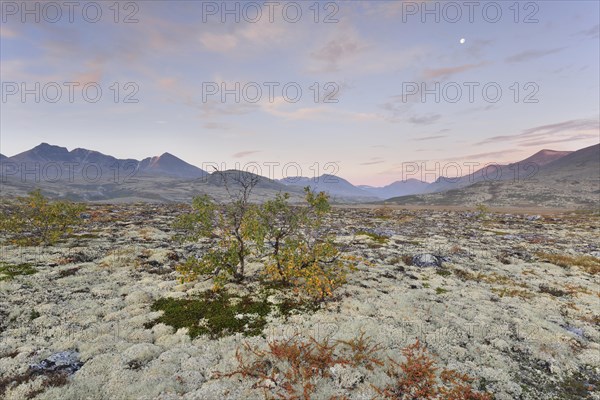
(219, 314)
(8, 271)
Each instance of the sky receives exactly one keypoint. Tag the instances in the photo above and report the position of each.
(359, 89)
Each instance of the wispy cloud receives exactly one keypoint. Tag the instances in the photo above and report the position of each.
(425, 119)
(221, 43)
(245, 153)
(593, 32)
(215, 126)
(482, 156)
(6, 32)
(532, 55)
(446, 72)
(339, 50)
(576, 125)
(476, 47)
(373, 161)
(430, 137)
(573, 138)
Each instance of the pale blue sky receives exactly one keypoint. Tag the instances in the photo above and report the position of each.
(373, 49)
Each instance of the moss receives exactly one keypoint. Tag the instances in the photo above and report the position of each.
(33, 315)
(219, 314)
(441, 290)
(9, 271)
(373, 236)
(288, 306)
(443, 272)
(580, 385)
(552, 291)
(506, 292)
(85, 236)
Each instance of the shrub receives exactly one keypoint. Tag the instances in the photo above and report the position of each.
(34, 220)
(297, 249)
(303, 251)
(482, 210)
(233, 225)
(416, 378)
(293, 368)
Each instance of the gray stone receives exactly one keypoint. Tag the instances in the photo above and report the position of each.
(427, 260)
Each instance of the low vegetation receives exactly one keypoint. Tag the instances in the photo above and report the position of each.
(8, 271)
(54, 379)
(589, 264)
(34, 220)
(293, 243)
(295, 368)
(380, 239)
(218, 314)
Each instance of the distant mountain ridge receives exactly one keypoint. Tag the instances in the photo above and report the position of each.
(331, 184)
(168, 178)
(520, 170)
(572, 180)
(81, 159)
(398, 188)
(545, 156)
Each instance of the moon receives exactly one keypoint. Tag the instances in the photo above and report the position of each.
(462, 41)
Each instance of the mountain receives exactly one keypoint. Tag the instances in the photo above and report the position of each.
(582, 165)
(168, 164)
(92, 165)
(398, 188)
(234, 179)
(336, 187)
(43, 152)
(545, 156)
(569, 181)
(516, 171)
(547, 178)
(88, 175)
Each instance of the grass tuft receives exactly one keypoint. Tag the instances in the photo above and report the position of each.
(589, 264)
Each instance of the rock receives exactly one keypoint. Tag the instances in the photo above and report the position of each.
(64, 361)
(427, 260)
(576, 331)
(511, 237)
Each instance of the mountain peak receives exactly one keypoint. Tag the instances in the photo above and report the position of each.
(545, 156)
(45, 151)
(46, 146)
